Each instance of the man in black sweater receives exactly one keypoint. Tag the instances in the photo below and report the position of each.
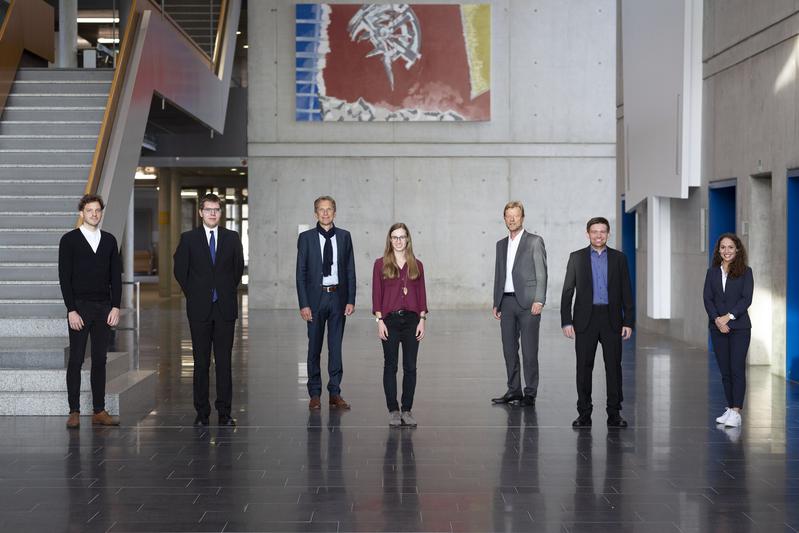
(90, 273)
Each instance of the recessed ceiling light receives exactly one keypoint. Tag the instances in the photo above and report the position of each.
(233, 169)
(246, 46)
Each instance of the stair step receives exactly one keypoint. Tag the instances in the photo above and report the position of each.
(87, 101)
(45, 219)
(42, 142)
(27, 378)
(36, 171)
(38, 308)
(131, 394)
(29, 290)
(61, 87)
(28, 271)
(61, 204)
(53, 113)
(43, 156)
(49, 127)
(42, 327)
(31, 187)
(60, 75)
(34, 253)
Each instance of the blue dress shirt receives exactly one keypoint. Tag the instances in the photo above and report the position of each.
(599, 275)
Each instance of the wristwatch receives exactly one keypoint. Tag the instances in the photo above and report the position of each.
(378, 318)
(730, 316)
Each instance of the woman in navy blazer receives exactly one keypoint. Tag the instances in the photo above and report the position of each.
(728, 294)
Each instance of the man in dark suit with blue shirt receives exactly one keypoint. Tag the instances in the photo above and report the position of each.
(326, 294)
(603, 313)
(209, 263)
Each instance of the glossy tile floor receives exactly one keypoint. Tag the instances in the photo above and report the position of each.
(469, 466)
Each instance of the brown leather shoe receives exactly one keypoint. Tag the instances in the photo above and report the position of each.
(73, 422)
(338, 402)
(104, 419)
(315, 403)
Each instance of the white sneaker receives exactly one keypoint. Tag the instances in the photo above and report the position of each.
(394, 419)
(407, 419)
(723, 418)
(734, 420)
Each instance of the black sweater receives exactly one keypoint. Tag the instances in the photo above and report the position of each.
(86, 275)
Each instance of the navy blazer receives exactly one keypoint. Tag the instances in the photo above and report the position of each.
(309, 269)
(198, 276)
(579, 276)
(735, 299)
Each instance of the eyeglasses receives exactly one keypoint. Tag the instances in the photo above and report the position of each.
(398, 237)
(211, 210)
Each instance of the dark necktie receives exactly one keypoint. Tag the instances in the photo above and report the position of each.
(212, 245)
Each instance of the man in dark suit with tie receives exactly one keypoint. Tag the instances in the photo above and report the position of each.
(326, 294)
(520, 292)
(209, 263)
(603, 313)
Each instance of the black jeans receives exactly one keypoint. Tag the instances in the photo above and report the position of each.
(401, 331)
(95, 325)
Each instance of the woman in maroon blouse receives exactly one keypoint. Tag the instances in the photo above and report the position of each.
(399, 303)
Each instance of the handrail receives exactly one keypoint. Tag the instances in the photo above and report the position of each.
(157, 56)
(134, 358)
(28, 25)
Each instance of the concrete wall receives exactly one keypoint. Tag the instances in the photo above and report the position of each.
(550, 144)
(750, 58)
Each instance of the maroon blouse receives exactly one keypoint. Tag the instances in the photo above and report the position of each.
(388, 296)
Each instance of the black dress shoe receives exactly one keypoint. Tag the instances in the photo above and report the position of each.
(616, 421)
(582, 422)
(506, 398)
(200, 421)
(527, 401)
(225, 420)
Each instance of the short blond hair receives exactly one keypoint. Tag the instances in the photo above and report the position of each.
(511, 205)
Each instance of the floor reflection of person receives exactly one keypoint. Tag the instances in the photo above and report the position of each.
(729, 286)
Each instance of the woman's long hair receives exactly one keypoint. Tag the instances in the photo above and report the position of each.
(390, 268)
(738, 265)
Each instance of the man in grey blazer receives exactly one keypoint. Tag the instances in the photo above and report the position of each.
(520, 291)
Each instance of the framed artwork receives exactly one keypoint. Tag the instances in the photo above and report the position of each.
(393, 62)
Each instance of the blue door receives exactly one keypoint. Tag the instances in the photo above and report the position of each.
(721, 219)
(628, 242)
(792, 283)
(721, 214)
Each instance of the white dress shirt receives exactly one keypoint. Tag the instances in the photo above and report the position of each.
(332, 279)
(513, 247)
(92, 236)
(723, 278)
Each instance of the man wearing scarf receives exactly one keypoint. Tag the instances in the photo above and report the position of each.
(326, 294)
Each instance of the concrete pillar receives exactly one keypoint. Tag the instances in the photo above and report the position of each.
(127, 258)
(67, 34)
(174, 218)
(164, 233)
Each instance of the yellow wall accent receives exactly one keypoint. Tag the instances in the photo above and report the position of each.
(477, 35)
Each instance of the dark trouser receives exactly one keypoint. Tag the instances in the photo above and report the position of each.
(599, 331)
(331, 313)
(731, 349)
(517, 322)
(401, 330)
(218, 333)
(95, 325)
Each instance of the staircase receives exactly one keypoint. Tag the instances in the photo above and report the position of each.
(48, 133)
(198, 18)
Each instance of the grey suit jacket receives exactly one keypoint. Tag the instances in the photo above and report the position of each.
(529, 271)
